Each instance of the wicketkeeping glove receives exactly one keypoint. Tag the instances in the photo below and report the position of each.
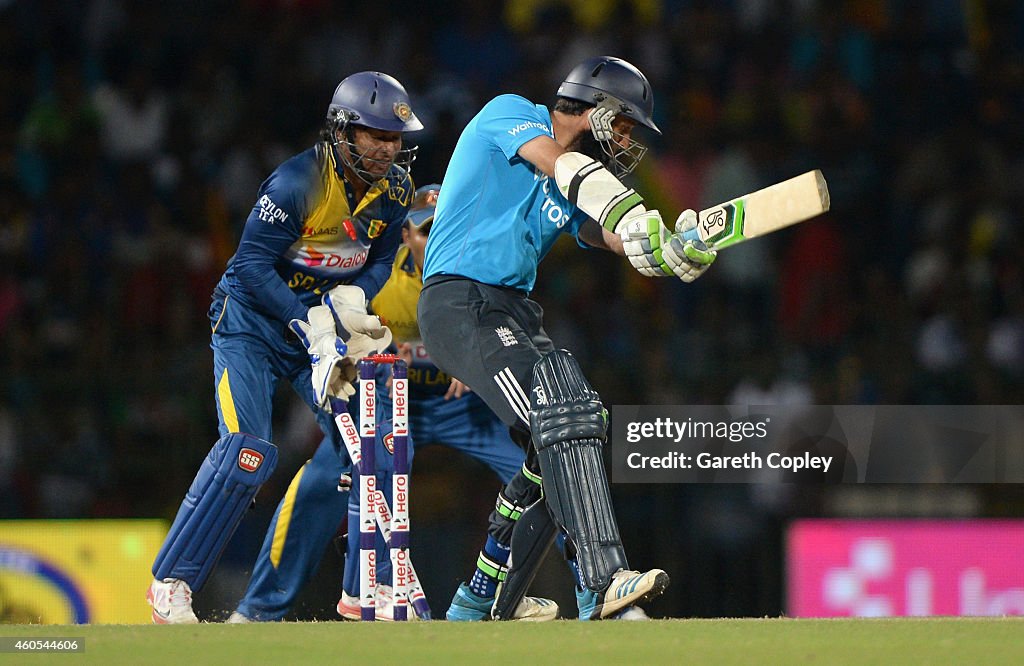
(334, 374)
(657, 252)
(363, 333)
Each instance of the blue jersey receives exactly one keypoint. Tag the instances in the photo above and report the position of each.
(304, 236)
(497, 214)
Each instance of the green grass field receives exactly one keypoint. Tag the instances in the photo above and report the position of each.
(768, 641)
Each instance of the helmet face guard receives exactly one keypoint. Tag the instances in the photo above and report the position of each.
(618, 159)
(372, 100)
(343, 134)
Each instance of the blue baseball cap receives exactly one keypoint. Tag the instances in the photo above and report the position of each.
(421, 214)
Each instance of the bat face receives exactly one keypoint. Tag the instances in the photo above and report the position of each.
(762, 212)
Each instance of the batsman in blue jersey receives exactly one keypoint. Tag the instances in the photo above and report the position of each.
(520, 176)
(324, 229)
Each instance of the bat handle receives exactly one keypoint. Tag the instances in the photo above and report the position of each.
(691, 235)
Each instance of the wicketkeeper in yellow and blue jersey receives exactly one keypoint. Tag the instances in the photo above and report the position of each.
(320, 240)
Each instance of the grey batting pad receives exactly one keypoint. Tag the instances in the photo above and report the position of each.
(568, 424)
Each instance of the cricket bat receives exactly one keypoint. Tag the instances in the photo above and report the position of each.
(758, 213)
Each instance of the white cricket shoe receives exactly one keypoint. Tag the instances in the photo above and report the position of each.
(171, 600)
(468, 606)
(348, 607)
(627, 588)
(237, 618)
(535, 609)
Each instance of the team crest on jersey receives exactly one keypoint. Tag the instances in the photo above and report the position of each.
(402, 111)
(376, 228)
(389, 442)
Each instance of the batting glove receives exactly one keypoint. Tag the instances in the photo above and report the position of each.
(333, 374)
(696, 256)
(657, 252)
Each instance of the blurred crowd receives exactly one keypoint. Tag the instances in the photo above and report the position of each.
(134, 136)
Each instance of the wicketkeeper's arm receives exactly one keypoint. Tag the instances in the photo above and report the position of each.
(273, 225)
(381, 257)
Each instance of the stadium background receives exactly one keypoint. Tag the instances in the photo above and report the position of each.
(133, 137)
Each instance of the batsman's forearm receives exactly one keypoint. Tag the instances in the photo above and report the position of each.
(594, 235)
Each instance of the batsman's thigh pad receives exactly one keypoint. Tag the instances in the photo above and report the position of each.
(568, 423)
(227, 481)
(532, 537)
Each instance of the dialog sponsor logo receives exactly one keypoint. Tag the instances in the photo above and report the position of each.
(316, 259)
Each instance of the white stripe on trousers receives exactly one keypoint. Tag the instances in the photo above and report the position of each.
(514, 394)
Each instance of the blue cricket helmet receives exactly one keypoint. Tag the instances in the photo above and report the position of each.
(372, 99)
(615, 82)
(377, 101)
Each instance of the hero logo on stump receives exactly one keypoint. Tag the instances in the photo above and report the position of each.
(250, 460)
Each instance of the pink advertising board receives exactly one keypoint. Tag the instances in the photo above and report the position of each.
(854, 568)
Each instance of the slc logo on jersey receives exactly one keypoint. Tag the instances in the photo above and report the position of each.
(376, 228)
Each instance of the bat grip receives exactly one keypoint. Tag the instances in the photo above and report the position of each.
(691, 235)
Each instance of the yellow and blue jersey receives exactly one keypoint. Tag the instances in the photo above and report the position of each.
(395, 304)
(304, 236)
